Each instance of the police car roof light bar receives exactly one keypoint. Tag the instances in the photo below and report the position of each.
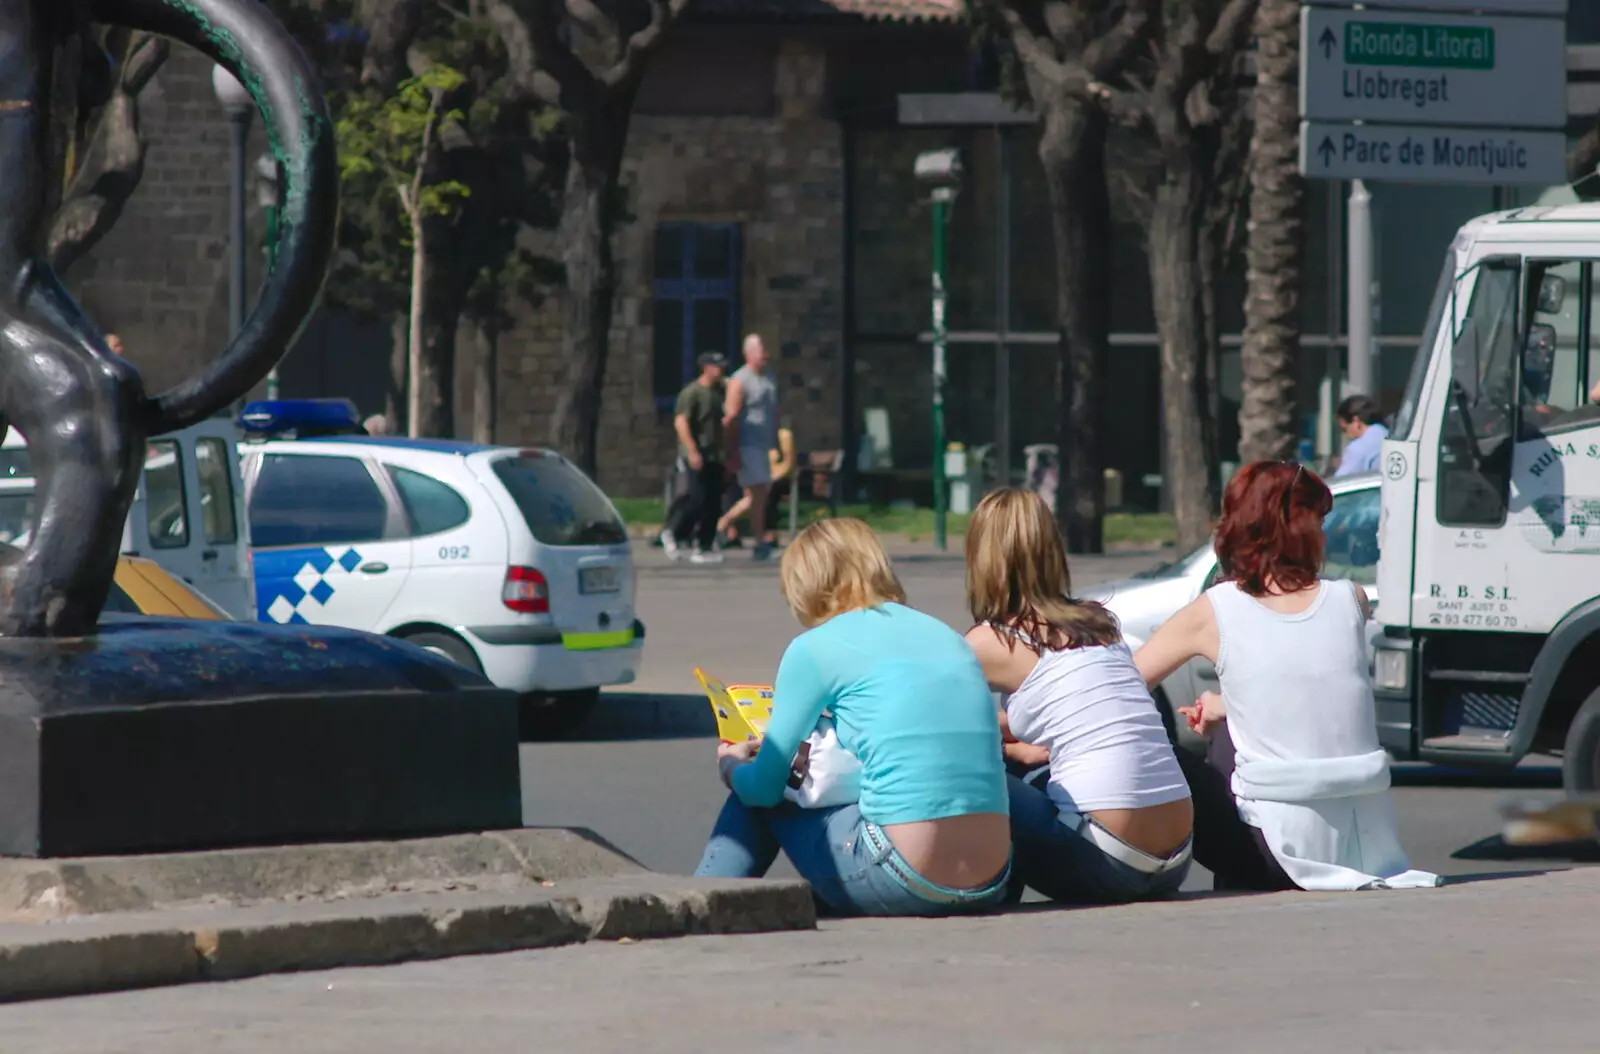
(302, 417)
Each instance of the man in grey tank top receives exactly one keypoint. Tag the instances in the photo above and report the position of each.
(752, 423)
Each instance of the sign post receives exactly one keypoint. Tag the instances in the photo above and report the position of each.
(940, 172)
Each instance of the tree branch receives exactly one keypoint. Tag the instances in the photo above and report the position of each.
(1232, 30)
(392, 25)
(640, 44)
(1107, 55)
(1036, 55)
(542, 67)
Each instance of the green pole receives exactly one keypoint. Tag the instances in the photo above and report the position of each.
(942, 197)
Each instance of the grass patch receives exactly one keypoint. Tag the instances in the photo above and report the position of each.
(1121, 528)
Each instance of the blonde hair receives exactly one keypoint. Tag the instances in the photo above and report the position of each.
(836, 566)
(1017, 577)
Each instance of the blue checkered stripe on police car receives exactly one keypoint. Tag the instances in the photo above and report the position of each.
(295, 585)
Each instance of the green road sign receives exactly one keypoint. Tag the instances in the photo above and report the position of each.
(1416, 45)
(1389, 67)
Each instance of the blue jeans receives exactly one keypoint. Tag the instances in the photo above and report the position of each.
(1064, 865)
(852, 866)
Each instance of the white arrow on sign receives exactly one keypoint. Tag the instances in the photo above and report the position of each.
(1415, 154)
(1487, 7)
(1414, 68)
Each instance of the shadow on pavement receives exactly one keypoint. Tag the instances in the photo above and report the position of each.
(1495, 876)
(1530, 777)
(1584, 851)
(640, 715)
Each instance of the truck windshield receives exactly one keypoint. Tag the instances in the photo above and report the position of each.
(559, 503)
(1407, 415)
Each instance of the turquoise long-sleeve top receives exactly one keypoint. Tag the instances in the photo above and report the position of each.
(907, 697)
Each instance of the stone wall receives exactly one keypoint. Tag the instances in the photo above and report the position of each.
(780, 177)
(159, 279)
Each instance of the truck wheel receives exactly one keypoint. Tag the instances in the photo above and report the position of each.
(1580, 759)
(448, 645)
(550, 715)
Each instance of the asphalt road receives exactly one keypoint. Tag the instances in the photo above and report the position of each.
(641, 772)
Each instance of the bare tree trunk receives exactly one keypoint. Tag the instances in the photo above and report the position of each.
(485, 371)
(1211, 264)
(441, 319)
(1276, 247)
(419, 284)
(395, 402)
(1175, 278)
(586, 228)
(1226, 147)
(1072, 148)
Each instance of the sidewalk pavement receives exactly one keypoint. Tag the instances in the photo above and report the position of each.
(1496, 965)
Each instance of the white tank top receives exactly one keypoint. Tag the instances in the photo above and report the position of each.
(1108, 748)
(1296, 686)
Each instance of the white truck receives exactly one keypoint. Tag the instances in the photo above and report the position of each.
(188, 514)
(1489, 563)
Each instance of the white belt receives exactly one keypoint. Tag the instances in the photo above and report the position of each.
(1117, 849)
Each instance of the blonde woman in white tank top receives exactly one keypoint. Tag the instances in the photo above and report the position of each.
(1114, 822)
(1293, 730)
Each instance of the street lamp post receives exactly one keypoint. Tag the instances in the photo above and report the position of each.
(240, 109)
(267, 198)
(940, 172)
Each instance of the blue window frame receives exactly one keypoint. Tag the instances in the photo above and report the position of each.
(696, 300)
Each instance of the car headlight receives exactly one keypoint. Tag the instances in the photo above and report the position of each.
(1391, 670)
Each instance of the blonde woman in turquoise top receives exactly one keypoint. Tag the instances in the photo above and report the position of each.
(930, 834)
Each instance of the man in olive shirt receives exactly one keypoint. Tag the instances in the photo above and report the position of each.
(698, 422)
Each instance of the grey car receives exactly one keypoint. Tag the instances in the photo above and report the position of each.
(1148, 599)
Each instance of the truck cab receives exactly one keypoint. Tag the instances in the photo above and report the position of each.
(1489, 562)
(188, 514)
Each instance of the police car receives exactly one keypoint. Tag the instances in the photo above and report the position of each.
(509, 561)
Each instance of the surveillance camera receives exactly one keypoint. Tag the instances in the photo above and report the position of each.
(939, 168)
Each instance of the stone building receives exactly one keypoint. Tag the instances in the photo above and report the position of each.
(770, 190)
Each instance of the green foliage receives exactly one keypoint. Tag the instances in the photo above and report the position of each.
(382, 142)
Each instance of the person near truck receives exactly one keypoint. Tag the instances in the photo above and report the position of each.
(698, 422)
(1359, 421)
(751, 417)
(1296, 795)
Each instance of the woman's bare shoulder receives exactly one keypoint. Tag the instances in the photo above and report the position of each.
(986, 641)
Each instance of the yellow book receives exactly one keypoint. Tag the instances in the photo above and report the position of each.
(742, 710)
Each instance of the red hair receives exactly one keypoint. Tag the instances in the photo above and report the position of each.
(1271, 528)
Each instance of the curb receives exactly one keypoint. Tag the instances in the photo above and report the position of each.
(108, 953)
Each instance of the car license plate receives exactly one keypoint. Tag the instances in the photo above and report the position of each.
(599, 579)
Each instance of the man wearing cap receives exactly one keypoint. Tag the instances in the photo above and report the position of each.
(698, 422)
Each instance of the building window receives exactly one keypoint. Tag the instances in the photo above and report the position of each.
(696, 300)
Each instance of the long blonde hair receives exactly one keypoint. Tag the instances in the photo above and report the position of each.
(1017, 577)
(836, 566)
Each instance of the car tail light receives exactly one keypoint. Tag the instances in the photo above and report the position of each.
(526, 591)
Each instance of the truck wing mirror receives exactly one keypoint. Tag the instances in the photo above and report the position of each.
(1552, 294)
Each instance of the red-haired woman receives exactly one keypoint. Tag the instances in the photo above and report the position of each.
(1293, 729)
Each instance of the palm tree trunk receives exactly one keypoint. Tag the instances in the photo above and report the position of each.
(1276, 245)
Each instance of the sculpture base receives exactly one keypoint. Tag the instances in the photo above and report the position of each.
(169, 734)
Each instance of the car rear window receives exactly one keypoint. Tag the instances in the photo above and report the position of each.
(559, 503)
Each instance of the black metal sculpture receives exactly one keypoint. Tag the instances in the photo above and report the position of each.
(82, 408)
